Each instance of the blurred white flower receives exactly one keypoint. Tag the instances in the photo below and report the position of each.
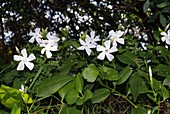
(24, 60)
(22, 89)
(106, 51)
(86, 45)
(166, 37)
(93, 38)
(115, 37)
(48, 48)
(52, 40)
(35, 36)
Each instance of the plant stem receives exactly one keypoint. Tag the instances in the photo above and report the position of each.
(39, 71)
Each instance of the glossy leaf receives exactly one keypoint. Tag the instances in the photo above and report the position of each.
(124, 75)
(79, 83)
(52, 84)
(166, 81)
(109, 73)
(72, 96)
(100, 95)
(90, 73)
(63, 91)
(128, 58)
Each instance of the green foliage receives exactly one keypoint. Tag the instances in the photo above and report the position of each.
(73, 82)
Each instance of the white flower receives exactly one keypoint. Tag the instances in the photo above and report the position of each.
(24, 60)
(48, 48)
(86, 45)
(35, 35)
(92, 37)
(52, 40)
(115, 37)
(166, 37)
(106, 51)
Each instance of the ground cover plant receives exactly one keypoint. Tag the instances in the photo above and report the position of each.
(117, 66)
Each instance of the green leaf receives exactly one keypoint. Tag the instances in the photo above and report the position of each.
(135, 84)
(64, 109)
(87, 95)
(160, 89)
(109, 73)
(62, 92)
(139, 110)
(162, 5)
(75, 110)
(100, 95)
(163, 70)
(128, 58)
(16, 110)
(124, 75)
(90, 73)
(72, 96)
(53, 84)
(79, 83)
(162, 20)
(11, 96)
(146, 6)
(166, 81)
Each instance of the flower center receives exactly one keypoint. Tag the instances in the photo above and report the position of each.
(24, 59)
(86, 46)
(112, 38)
(106, 50)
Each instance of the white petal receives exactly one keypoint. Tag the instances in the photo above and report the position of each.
(88, 40)
(17, 57)
(121, 40)
(168, 41)
(42, 51)
(163, 33)
(81, 48)
(107, 44)
(101, 56)
(100, 48)
(31, 57)
(48, 36)
(38, 40)
(48, 54)
(29, 65)
(37, 30)
(111, 33)
(119, 33)
(24, 52)
(113, 49)
(92, 34)
(109, 56)
(92, 45)
(82, 42)
(114, 43)
(88, 51)
(21, 66)
(97, 38)
(53, 48)
(163, 39)
(31, 40)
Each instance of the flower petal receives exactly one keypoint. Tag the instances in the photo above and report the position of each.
(101, 56)
(82, 42)
(113, 49)
(17, 57)
(24, 52)
(163, 39)
(29, 65)
(100, 48)
(92, 34)
(48, 54)
(107, 44)
(31, 57)
(163, 33)
(121, 40)
(88, 40)
(53, 48)
(21, 66)
(81, 48)
(109, 56)
(119, 33)
(88, 51)
(42, 51)
(37, 30)
(97, 38)
(31, 40)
